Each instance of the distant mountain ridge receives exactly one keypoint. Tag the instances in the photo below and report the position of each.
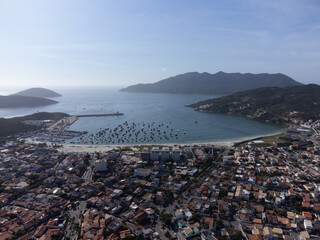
(271, 104)
(218, 83)
(38, 92)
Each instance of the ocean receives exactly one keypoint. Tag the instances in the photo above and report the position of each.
(150, 117)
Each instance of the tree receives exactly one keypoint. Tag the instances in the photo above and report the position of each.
(166, 218)
(57, 236)
(219, 223)
(223, 192)
(237, 236)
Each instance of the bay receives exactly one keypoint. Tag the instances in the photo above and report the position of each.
(162, 112)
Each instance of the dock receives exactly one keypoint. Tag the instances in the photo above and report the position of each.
(60, 125)
(100, 115)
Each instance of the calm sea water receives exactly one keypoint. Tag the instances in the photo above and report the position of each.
(139, 108)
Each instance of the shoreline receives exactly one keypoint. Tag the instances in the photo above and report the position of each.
(104, 148)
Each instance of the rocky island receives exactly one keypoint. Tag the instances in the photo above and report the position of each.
(33, 97)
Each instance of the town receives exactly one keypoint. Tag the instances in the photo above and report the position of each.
(254, 190)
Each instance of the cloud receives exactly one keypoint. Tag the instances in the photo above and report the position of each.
(70, 46)
(164, 69)
(52, 56)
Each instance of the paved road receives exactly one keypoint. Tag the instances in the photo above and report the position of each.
(75, 213)
(159, 230)
(238, 226)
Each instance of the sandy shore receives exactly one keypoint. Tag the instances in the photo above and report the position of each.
(83, 148)
(104, 148)
(69, 148)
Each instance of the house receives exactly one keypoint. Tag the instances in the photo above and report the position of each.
(21, 186)
(191, 230)
(267, 232)
(141, 217)
(179, 215)
(304, 235)
(307, 225)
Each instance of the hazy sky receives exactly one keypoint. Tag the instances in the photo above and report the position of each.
(121, 42)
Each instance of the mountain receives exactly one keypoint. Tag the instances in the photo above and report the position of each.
(38, 92)
(272, 104)
(218, 83)
(15, 101)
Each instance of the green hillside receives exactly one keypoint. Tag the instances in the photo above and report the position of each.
(279, 105)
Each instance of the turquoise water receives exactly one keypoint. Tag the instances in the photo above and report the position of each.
(161, 110)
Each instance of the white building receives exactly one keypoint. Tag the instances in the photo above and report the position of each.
(165, 154)
(176, 154)
(178, 215)
(101, 165)
(117, 192)
(145, 154)
(188, 214)
(64, 164)
(307, 225)
(21, 186)
(142, 172)
(154, 154)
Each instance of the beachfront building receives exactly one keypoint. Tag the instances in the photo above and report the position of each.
(145, 155)
(154, 154)
(165, 154)
(176, 154)
(101, 165)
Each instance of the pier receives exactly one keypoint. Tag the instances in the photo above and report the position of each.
(100, 115)
(60, 125)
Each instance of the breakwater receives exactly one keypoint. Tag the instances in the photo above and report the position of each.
(100, 115)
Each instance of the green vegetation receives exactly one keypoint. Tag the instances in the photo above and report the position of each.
(237, 236)
(56, 116)
(273, 104)
(10, 127)
(166, 218)
(13, 126)
(223, 193)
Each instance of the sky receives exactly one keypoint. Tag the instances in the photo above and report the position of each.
(119, 43)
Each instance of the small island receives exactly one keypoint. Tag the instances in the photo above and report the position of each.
(33, 97)
(38, 92)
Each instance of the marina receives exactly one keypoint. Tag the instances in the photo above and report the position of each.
(130, 133)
